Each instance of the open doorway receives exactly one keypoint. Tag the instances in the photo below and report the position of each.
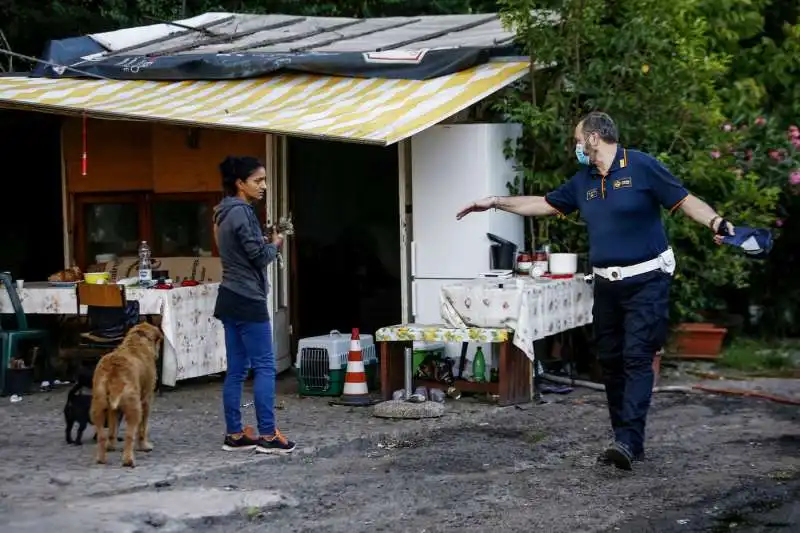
(346, 260)
(31, 221)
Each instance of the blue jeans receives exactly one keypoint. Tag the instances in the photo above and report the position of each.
(249, 345)
(631, 321)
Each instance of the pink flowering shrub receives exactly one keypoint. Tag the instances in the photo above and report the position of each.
(743, 173)
(769, 153)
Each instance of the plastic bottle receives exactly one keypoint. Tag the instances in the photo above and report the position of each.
(145, 263)
(479, 366)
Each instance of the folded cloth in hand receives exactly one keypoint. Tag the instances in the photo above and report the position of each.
(756, 242)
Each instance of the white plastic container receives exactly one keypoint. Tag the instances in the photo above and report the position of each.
(336, 347)
(563, 263)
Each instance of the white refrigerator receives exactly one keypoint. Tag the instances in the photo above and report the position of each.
(451, 166)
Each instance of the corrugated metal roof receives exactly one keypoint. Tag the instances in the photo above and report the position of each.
(228, 32)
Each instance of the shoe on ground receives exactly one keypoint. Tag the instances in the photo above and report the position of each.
(619, 455)
(604, 460)
(275, 444)
(240, 441)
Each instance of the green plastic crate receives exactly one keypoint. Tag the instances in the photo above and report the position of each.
(334, 385)
(424, 349)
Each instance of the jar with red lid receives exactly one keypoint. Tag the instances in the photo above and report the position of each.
(539, 266)
(524, 262)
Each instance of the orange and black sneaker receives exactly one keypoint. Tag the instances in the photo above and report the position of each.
(246, 440)
(275, 444)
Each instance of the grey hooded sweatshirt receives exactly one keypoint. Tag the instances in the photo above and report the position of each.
(245, 256)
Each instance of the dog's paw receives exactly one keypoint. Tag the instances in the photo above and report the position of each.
(101, 460)
(145, 447)
(128, 463)
(111, 446)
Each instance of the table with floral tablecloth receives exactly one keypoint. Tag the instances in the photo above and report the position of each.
(533, 308)
(194, 342)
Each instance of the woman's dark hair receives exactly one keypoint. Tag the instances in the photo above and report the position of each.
(235, 168)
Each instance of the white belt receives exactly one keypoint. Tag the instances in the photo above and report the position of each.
(664, 262)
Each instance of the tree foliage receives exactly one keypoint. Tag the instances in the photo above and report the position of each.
(761, 96)
(659, 68)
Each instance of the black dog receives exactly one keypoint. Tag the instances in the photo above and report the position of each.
(77, 411)
(78, 407)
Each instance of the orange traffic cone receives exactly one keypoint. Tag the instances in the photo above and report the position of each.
(356, 392)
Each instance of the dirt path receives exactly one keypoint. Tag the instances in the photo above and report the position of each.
(478, 469)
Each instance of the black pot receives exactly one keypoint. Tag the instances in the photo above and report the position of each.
(503, 253)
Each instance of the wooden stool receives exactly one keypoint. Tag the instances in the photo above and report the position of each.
(514, 381)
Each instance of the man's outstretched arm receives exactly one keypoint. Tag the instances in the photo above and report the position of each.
(704, 214)
(527, 206)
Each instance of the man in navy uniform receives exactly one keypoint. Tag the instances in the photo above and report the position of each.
(620, 194)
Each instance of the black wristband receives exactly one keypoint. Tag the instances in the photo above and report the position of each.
(722, 229)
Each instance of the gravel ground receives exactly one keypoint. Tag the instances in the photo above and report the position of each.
(713, 463)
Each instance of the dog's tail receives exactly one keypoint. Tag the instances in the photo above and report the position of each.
(74, 391)
(115, 390)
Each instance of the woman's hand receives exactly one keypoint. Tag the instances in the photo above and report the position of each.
(277, 239)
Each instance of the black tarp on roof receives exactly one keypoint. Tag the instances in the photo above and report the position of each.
(221, 46)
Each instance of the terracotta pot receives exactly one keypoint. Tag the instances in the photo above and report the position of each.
(701, 340)
(657, 368)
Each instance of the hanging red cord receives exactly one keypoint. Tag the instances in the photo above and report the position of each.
(83, 156)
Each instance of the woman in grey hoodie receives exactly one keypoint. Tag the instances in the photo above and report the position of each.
(242, 305)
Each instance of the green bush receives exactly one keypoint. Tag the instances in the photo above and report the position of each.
(763, 82)
(652, 66)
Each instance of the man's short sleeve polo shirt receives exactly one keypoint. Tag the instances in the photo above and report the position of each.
(622, 210)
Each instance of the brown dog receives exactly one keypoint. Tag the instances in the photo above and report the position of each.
(124, 381)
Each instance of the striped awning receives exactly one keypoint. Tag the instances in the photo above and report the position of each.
(375, 111)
